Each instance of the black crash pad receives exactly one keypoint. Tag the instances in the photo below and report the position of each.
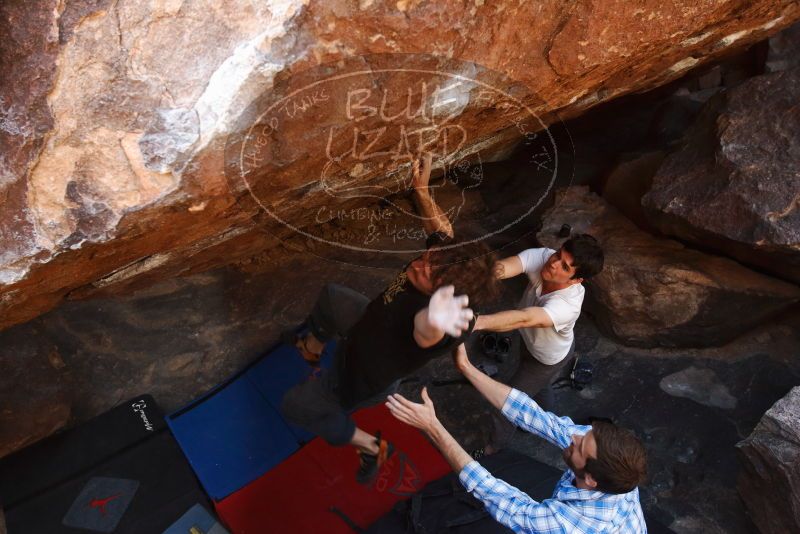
(61, 456)
(124, 480)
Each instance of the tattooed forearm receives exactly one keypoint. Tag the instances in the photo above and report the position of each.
(499, 271)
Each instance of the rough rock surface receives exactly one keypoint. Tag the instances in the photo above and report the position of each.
(36, 390)
(735, 185)
(114, 123)
(657, 292)
(770, 480)
(784, 50)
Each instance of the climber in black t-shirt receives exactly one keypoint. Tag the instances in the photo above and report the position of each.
(423, 314)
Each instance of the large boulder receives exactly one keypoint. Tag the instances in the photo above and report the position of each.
(734, 187)
(769, 482)
(656, 292)
(116, 115)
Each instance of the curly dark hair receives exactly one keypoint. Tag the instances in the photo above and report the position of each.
(468, 266)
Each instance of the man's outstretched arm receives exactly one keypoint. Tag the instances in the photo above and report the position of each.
(507, 504)
(518, 407)
(492, 390)
(433, 218)
(505, 321)
(423, 417)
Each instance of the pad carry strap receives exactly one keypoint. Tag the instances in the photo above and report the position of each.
(343, 516)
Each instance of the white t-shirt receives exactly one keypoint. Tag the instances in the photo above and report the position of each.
(549, 345)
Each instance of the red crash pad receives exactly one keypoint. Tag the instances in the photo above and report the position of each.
(298, 495)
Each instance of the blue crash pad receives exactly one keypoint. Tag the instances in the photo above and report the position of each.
(236, 433)
(278, 372)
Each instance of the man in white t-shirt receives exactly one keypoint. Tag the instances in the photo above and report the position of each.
(546, 316)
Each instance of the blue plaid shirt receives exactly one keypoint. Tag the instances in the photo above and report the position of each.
(570, 509)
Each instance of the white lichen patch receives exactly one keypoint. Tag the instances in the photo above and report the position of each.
(683, 64)
(245, 74)
(732, 38)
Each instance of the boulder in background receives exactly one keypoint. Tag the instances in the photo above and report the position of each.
(656, 292)
(770, 479)
(734, 187)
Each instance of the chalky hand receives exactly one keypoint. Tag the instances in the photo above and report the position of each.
(449, 313)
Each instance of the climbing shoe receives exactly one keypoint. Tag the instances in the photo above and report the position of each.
(297, 338)
(370, 464)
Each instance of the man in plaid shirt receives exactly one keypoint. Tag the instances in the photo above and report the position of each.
(597, 493)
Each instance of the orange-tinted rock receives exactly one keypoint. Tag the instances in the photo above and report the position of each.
(116, 115)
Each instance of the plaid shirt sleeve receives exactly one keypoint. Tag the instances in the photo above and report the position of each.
(594, 512)
(523, 411)
(508, 505)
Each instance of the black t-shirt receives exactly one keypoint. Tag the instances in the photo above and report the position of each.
(380, 348)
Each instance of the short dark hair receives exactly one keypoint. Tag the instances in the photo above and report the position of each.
(621, 462)
(469, 266)
(586, 253)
